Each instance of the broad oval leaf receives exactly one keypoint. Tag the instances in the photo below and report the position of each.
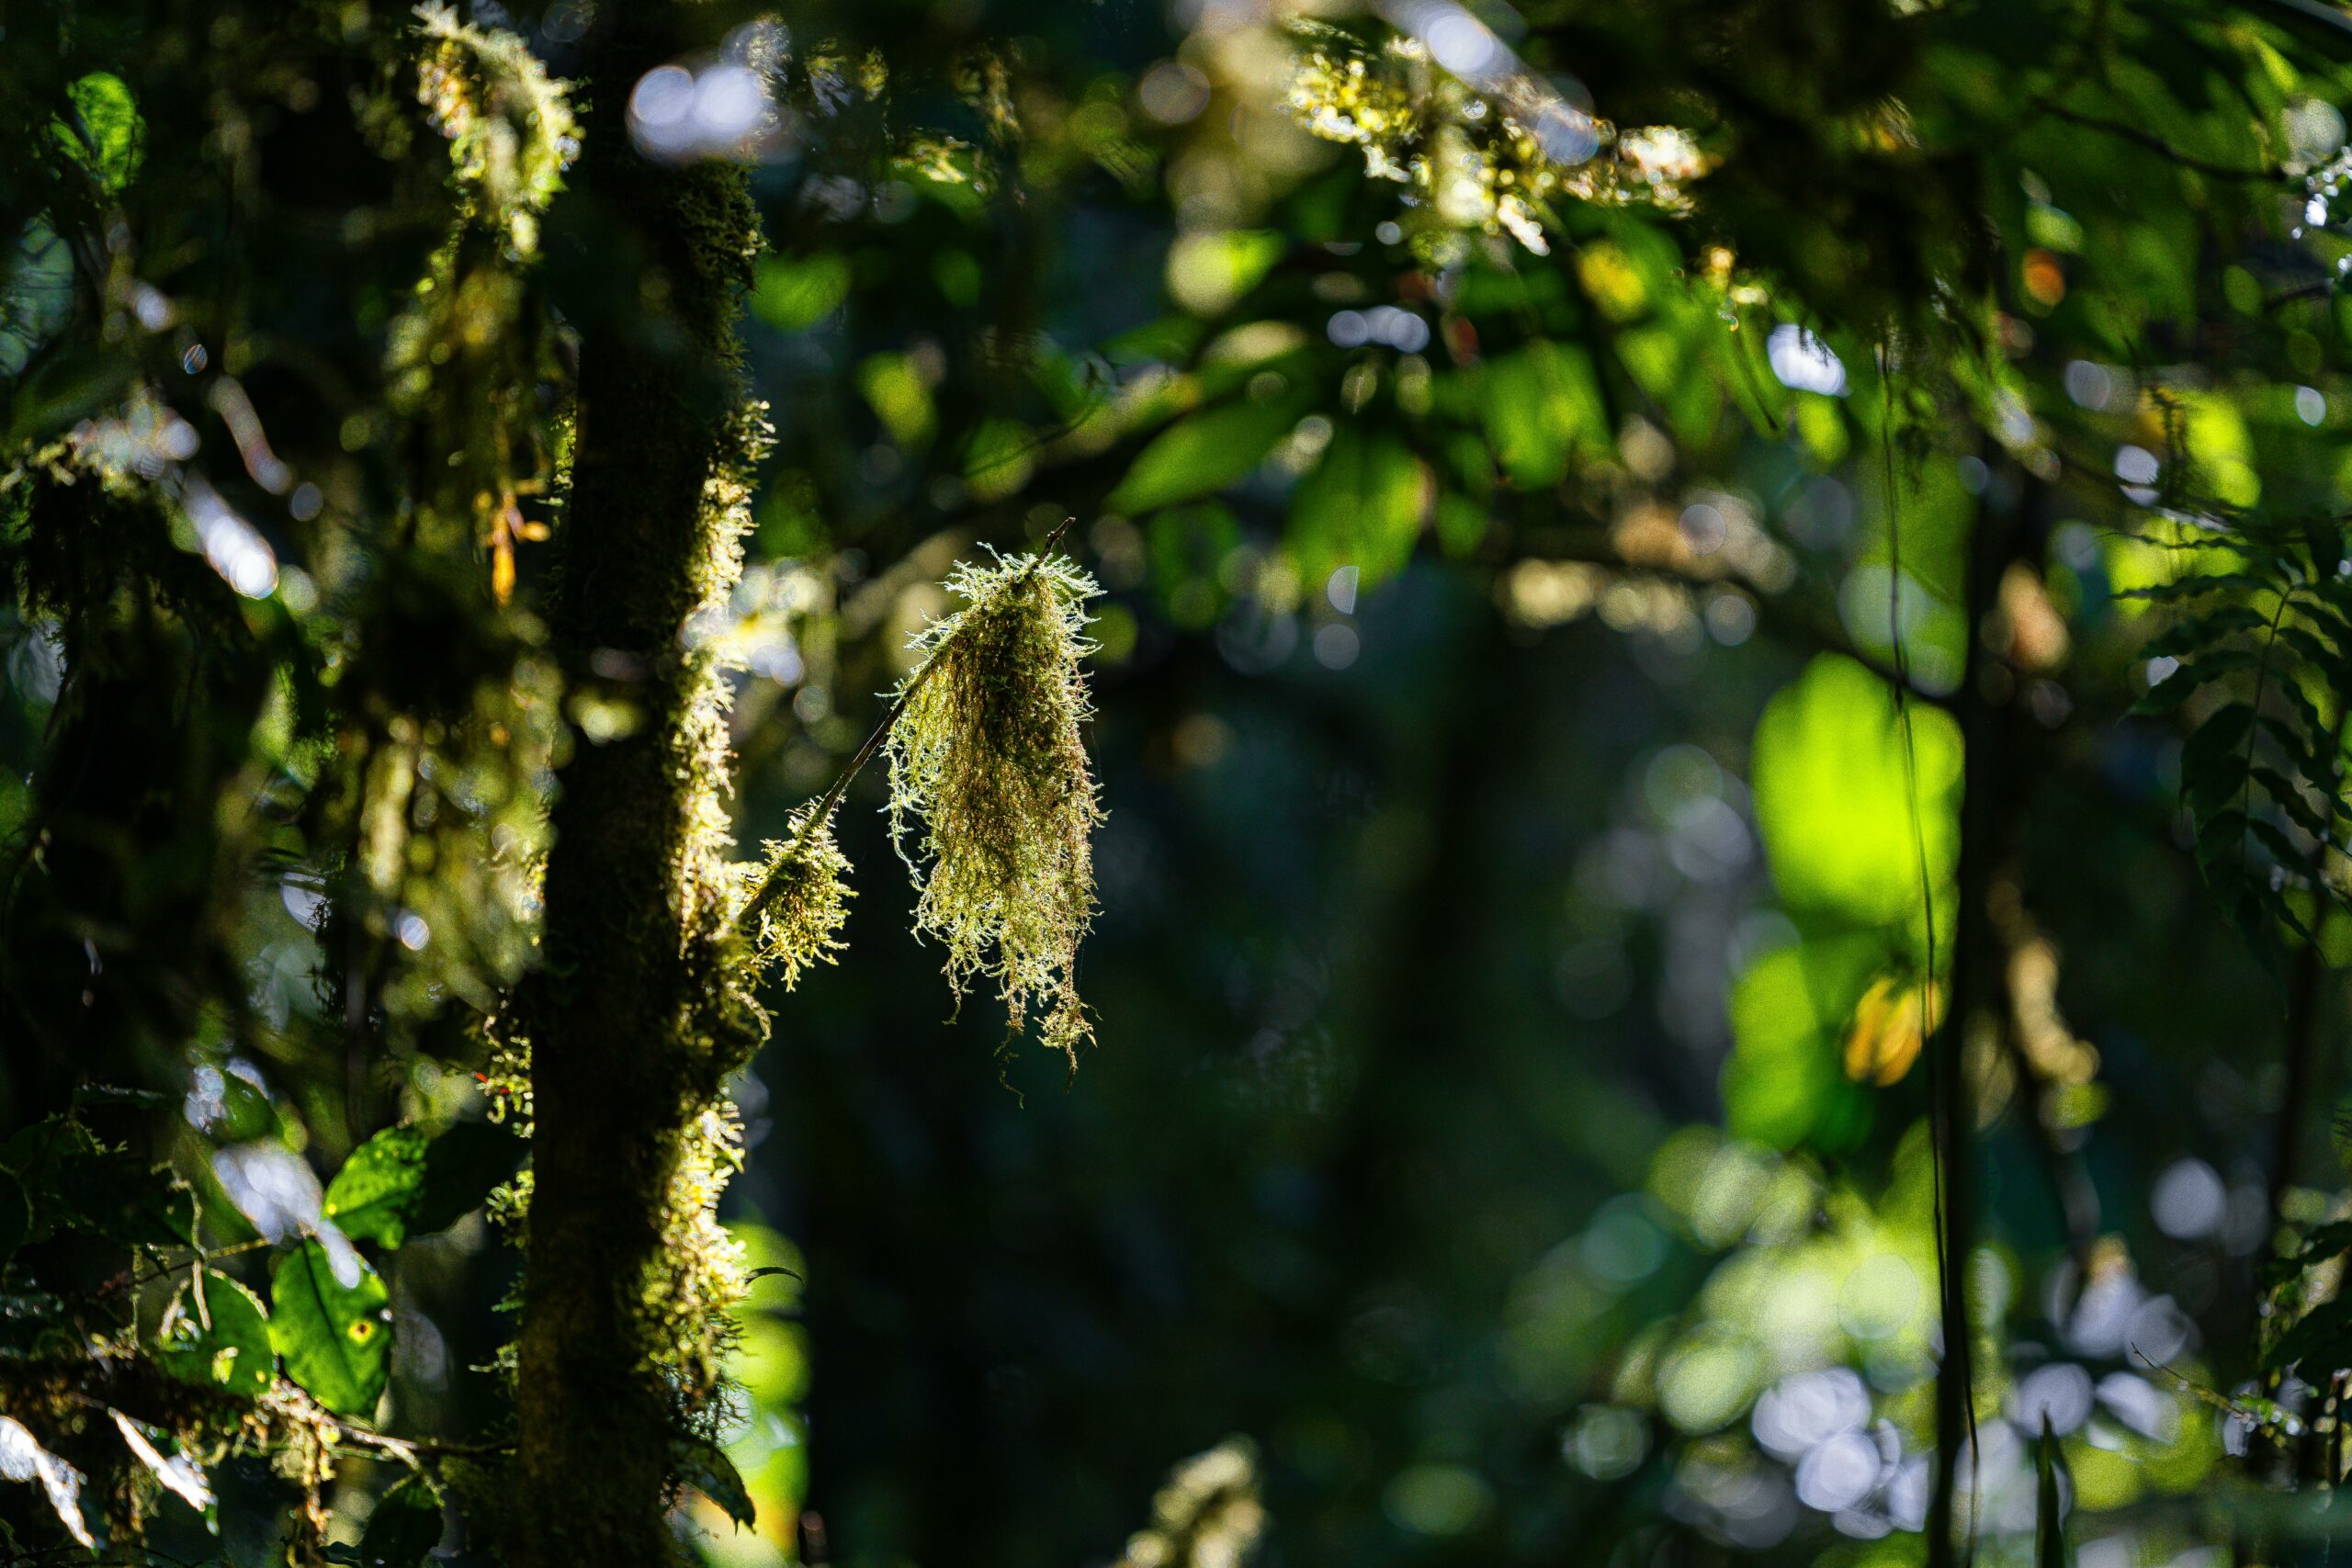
(335, 1339)
(400, 1183)
(1204, 452)
(1838, 802)
(220, 1340)
(1361, 506)
(371, 1197)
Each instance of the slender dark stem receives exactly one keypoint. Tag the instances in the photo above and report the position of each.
(1975, 987)
(201, 1258)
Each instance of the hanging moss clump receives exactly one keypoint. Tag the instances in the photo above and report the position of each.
(797, 901)
(989, 772)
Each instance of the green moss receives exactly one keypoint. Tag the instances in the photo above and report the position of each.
(992, 803)
(796, 901)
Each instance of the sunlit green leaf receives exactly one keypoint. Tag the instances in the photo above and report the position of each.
(104, 134)
(1838, 805)
(1204, 452)
(335, 1338)
(220, 1340)
(1542, 406)
(1361, 506)
(792, 294)
(372, 1196)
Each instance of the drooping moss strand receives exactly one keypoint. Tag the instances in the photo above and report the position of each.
(990, 774)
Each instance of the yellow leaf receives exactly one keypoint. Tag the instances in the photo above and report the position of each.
(1891, 1023)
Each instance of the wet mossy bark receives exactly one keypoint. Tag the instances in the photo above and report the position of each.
(629, 1041)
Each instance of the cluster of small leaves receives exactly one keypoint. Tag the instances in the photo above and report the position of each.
(1206, 1514)
(2259, 652)
(1488, 163)
(2319, 1340)
(224, 1370)
(988, 758)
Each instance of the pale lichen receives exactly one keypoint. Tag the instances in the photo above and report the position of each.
(509, 125)
(989, 772)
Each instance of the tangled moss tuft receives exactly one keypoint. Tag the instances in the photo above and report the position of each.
(987, 755)
(797, 899)
(510, 126)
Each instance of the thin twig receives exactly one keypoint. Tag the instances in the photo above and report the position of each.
(199, 1258)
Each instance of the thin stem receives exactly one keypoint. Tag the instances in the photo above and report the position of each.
(133, 1281)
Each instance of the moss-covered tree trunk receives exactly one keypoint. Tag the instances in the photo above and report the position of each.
(628, 1045)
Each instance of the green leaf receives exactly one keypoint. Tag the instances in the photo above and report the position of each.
(2205, 631)
(2213, 760)
(2193, 673)
(1542, 406)
(222, 1341)
(1361, 506)
(402, 1183)
(336, 1338)
(370, 1197)
(2196, 586)
(2324, 1242)
(705, 1466)
(793, 294)
(1204, 452)
(104, 134)
(2320, 1342)
(36, 293)
(1844, 814)
(2049, 1515)
(405, 1526)
(463, 1166)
